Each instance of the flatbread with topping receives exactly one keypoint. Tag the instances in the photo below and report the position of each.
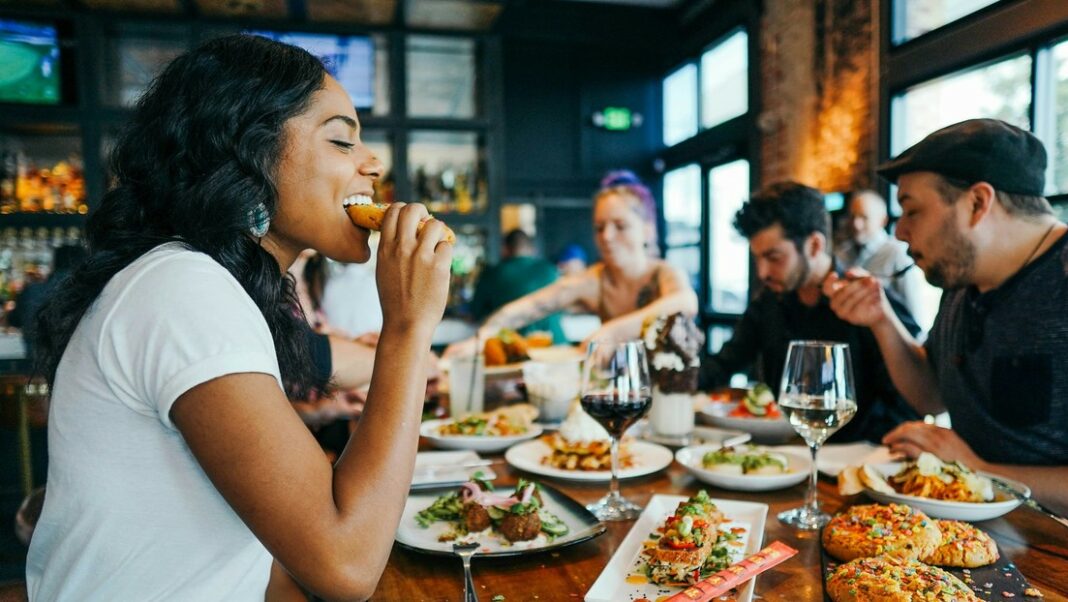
(891, 579)
(963, 545)
(875, 529)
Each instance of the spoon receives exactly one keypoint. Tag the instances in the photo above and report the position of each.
(465, 551)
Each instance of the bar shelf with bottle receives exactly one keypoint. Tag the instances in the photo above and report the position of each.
(41, 171)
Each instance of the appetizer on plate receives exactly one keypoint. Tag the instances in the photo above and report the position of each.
(689, 545)
(759, 402)
(892, 578)
(581, 443)
(510, 347)
(874, 529)
(476, 509)
(504, 422)
(746, 460)
(926, 476)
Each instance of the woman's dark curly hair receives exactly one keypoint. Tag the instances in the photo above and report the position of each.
(196, 161)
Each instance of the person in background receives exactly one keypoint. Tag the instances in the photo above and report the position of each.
(627, 286)
(871, 249)
(571, 260)
(520, 272)
(33, 295)
(976, 223)
(178, 468)
(788, 229)
(350, 299)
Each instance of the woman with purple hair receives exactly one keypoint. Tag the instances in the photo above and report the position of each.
(629, 284)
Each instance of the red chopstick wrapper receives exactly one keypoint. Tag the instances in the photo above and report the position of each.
(735, 574)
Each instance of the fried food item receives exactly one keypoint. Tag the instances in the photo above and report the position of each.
(583, 455)
(874, 529)
(890, 579)
(508, 347)
(370, 216)
(494, 352)
(963, 545)
(687, 538)
(539, 338)
(475, 517)
(520, 527)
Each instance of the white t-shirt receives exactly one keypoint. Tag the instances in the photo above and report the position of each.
(129, 514)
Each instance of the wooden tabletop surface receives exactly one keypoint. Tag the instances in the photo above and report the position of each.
(1036, 544)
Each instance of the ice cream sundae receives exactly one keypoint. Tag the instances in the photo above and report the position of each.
(674, 345)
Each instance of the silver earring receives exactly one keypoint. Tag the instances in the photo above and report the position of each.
(261, 221)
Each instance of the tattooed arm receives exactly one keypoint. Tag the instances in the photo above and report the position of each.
(676, 296)
(562, 294)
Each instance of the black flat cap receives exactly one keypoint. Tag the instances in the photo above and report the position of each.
(978, 150)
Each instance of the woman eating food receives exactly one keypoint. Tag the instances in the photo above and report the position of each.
(628, 285)
(177, 467)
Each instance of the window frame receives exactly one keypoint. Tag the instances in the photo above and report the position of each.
(736, 138)
(994, 32)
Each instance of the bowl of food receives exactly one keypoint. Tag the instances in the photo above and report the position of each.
(744, 467)
(485, 431)
(948, 490)
(756, 413)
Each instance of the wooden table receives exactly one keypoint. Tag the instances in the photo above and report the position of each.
(1038, 546)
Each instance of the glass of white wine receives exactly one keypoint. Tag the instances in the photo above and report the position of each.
(818, 398)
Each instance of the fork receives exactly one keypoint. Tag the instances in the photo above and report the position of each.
(1028, 501)
(465, 551)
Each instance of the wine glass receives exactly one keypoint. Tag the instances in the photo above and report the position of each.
(818, 397)
(616, 393)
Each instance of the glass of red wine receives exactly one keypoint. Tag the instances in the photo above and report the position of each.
(616, 393)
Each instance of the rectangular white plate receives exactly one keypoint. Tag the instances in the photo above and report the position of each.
(440, 468)
(612, 585)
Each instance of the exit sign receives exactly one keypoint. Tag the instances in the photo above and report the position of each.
(617, 119)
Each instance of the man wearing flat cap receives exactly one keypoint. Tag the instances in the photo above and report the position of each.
(977, 224)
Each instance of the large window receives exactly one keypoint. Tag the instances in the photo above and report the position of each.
(1001, 90)
(728, 188)
(725, 80)
(682, 218)
(708, 91)
(680, 104)
(916, 17)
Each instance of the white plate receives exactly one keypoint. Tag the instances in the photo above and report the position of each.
(833, 457)
(482, 443)
(764, 430)
(612, 585)
(582, 524)
(556, 353)
(799, 467)
(648, 458)
(1002, 504)
(441, 468)
(701, 435)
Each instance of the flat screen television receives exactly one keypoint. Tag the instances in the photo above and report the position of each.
(29, 63)
(350, 59)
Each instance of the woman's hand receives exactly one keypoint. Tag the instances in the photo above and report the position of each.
(413, 269)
